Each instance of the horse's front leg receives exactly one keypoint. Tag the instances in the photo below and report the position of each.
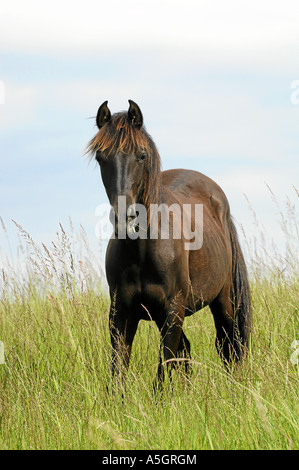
(122, 327)
(170, 326)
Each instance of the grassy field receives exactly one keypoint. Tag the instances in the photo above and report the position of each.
(55, 387)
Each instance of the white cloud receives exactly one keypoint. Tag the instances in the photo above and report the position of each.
(77, 26)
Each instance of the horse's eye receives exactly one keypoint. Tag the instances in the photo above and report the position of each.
(142, 157)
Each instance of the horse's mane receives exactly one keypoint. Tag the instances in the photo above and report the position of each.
(120, 135)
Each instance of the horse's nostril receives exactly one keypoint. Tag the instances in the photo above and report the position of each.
(131, 217)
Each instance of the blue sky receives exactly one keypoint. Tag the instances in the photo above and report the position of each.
(213, 79)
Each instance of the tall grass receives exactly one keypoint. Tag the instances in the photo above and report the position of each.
(55, 386)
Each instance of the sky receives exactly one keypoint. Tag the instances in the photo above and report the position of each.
(217, 82)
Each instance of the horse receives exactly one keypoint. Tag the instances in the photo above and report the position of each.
(165, 279)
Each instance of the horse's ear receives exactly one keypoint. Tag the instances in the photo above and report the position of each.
(103, 115)
(135, 115)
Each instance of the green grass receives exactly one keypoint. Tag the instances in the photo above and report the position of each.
(55, 386)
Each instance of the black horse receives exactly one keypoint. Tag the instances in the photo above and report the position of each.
(164, 279)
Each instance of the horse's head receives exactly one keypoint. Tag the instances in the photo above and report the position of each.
(127, 157)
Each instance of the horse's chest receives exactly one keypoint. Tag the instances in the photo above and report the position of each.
(142, 287)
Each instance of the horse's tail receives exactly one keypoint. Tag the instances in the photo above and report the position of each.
(240, 297)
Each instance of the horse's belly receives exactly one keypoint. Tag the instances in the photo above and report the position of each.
(203, 290)
(209, 269)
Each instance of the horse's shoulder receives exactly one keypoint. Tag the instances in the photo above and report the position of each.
(195, 187)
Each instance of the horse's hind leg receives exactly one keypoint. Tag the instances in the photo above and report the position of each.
(223, 313)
